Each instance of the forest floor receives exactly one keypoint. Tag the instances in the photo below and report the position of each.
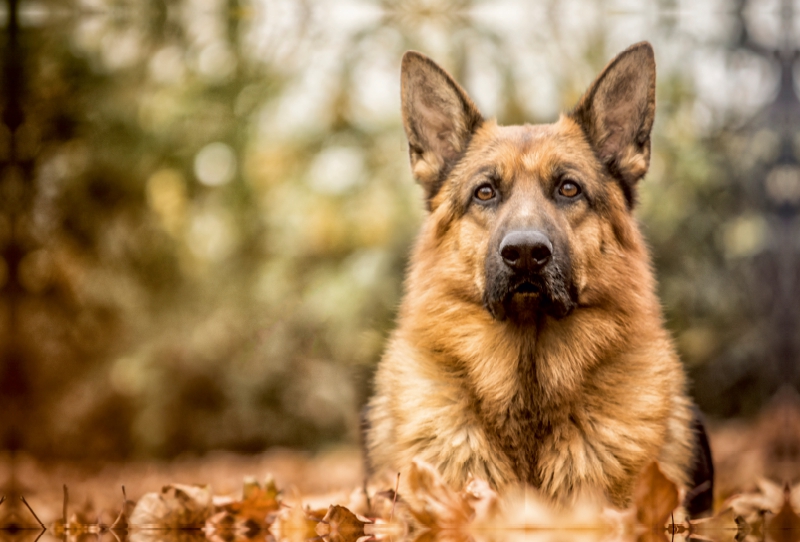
(754, 458)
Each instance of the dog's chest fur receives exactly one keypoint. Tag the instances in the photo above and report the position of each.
(521, 429)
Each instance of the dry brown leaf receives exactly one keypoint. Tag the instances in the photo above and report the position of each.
(341, 525)
(150, 535)
(221, 521)
(316, 515)
(785, 526)
(358, 502)
(482, 499)
(750, 508)
(654, 536)
(794, 497)
(295, 523)
(432, 502)
(390, 514)
(725, 520)
(385, 505)
(619, 522)
(655, 497)
(525, 508)
(447, 535)
(754, 507)
(257, 509)
(259, 504)
(748, 505)
(773, 494)
(224, 523)
(176, 506)
(381, 530)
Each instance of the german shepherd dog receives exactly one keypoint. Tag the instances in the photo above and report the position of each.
(530, 345)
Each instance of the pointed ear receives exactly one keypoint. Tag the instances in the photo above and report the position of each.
(617, 113)
(439, 119)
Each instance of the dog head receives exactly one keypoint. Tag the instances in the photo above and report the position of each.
(527, 216)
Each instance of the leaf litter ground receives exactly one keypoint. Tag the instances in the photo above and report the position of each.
(322, 498)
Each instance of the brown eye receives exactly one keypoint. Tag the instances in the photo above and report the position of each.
(485, 192)
(569, 189)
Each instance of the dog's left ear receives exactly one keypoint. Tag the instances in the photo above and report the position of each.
(617, 114)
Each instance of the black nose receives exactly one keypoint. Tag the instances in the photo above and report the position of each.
(526, 250)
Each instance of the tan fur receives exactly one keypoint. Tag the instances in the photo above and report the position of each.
(569, 405)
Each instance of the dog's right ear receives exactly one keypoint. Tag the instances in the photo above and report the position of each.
(439, 119)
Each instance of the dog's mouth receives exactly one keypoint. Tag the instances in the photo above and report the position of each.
(527, 288)
(526, 299)
(523, 301)
(520, 300)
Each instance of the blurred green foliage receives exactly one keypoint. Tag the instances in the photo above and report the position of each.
(207, 207)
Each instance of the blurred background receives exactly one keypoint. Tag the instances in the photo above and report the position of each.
(206, 205)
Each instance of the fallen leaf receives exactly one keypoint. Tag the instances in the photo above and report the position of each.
(785, 526)
(433, 503)
(259, 504)
(390, 514)
(256, 510)
(725, 519)
(152, 535)
(794, 497)
(381, 529)
(221, 521)
(770, 498)
(656, 536)
(620, 522)
(358, 501)
(722, 527)
(386, 504)
(176, 506)
(482, 499)
(295, 523)
(341, 525)
(447, 535)
(525, 508)
(655, 497)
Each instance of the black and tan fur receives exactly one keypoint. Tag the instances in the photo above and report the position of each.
(563, 376)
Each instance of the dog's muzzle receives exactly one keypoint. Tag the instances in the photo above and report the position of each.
(526, 278)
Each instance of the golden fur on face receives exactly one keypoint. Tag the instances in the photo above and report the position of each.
(558, 375)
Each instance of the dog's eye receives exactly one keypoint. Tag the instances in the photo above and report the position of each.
(485, 192)
(569, 189)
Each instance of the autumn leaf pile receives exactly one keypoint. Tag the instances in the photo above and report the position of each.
(428, 507)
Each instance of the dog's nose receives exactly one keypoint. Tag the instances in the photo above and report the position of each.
(526, 250)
